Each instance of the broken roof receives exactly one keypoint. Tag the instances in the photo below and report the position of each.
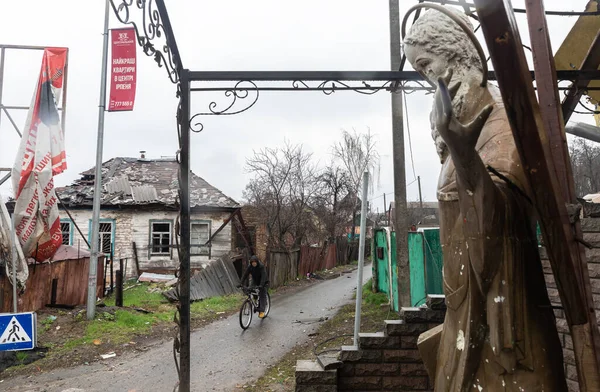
(133, 181)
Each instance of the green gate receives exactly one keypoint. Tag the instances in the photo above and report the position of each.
(425, 262)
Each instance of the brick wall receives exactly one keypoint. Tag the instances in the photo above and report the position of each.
(591, 229)
(383, 361)
(252, 218)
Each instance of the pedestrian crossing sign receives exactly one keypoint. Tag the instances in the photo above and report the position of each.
(17, 331)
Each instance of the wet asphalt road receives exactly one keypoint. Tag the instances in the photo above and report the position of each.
(223, 356)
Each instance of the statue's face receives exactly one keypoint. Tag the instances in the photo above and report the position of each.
(431, 66)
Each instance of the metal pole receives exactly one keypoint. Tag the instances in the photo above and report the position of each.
(93, 271)
(13, 251)
(2, 53)
(384, 206)
(400, 216)
(184, 272)
(420, 195)
(361, 254)
(584, 130)
(63, 120)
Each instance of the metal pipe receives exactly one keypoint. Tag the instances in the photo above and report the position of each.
(64, 94)
(12, 107)
(518, 10)
(361, 255)
(184, 272)
(27, 47)
(2, 53)
(204, 76)
(12, 121)
(13, 251)
(584, 130)
(5, 178)
(93, 270)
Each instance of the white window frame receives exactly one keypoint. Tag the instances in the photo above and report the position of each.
(201, 250)
(151, 245)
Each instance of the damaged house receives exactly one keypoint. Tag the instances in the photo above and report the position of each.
(139, 211)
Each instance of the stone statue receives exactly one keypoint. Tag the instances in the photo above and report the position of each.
(499, 333)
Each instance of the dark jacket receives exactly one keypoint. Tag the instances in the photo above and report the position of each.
(259, 274)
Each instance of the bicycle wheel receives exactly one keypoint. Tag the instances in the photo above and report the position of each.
(268, 305)
(246, 314)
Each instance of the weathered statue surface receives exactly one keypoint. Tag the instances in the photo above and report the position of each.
(499, 333)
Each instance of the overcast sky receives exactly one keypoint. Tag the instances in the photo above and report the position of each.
(230, 35)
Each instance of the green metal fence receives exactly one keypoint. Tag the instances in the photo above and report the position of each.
(425, 262)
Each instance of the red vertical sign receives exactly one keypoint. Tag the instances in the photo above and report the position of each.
(123, 70)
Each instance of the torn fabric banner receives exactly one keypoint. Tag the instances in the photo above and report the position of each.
(41, 156)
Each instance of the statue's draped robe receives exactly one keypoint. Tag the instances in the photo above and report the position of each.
(499, 333)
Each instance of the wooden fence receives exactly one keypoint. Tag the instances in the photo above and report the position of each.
(58, 283)
(284, 266)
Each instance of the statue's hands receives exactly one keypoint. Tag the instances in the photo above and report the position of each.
(460, 139)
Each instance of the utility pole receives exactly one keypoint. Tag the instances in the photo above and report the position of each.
(399, 164)
(93, 270)
(385, 208)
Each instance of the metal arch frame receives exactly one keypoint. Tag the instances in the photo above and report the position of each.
(156, 27)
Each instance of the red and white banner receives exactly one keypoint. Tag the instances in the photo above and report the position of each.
(123, 70)
(41, 155)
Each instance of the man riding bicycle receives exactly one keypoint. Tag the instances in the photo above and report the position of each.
(260, 279)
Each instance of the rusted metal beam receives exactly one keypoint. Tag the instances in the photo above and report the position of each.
(532, 140)
(591, 62)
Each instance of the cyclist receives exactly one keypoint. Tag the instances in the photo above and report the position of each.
(260, 279)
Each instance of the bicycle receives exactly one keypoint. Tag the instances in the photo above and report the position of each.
(250, 306)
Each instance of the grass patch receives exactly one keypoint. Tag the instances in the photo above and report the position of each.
(21, 356)
(337, 331)
(214, 305)
(121, 325)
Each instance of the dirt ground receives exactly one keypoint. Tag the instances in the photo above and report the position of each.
(55, 338)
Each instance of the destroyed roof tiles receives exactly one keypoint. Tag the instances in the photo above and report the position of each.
(133, 181)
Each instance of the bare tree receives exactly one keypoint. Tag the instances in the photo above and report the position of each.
(330, 203)
(585, 161)
(357, 153)
(283, 188)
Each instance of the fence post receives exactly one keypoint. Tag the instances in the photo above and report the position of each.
(119, 283)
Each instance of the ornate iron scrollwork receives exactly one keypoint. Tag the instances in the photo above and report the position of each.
(249, 92)
(152, 29)
(329, 87)
(240, 92)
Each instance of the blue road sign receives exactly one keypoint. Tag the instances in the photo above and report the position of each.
(18, 331)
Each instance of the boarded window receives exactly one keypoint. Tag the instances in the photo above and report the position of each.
(65, 228)
(200, 234)
(160, 236)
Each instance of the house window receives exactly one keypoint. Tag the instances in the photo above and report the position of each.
(160, 237)
(200, 234)
(105, 237)
(65, 228)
